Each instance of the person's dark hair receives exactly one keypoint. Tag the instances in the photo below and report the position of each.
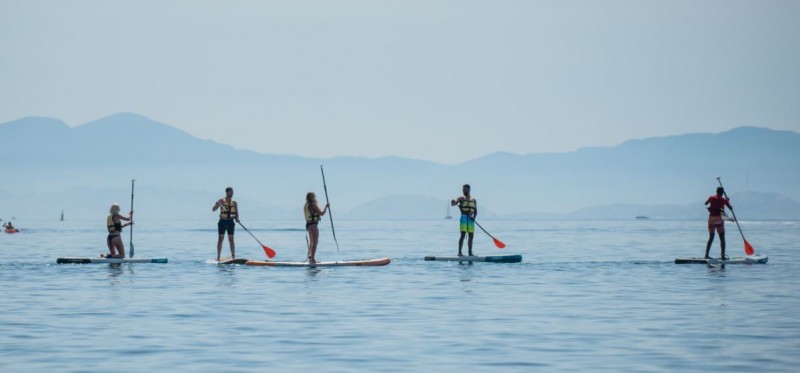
(466, 186)
(228, 189)
(720, 191)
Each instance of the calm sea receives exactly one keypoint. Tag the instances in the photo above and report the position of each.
(588, 296)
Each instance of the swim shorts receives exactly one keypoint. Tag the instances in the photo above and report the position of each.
(716, 223)
(467, 224)
(226, 226)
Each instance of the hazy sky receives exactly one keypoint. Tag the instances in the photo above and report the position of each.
(438, 80)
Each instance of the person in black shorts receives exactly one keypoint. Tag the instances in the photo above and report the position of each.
(229, 212)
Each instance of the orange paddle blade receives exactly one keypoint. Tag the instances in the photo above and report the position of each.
(270, 253)
(498, 243)
(748, 249)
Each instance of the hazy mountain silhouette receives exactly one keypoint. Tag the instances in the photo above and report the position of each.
(45, 164)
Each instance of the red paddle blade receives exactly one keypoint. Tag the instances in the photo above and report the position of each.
(748, 249)
(270, 253)
(498, 243)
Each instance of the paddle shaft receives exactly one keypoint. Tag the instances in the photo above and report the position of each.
(327, 201)
(497, 242)
(131, 232)
(270, 253)
(479, 226)
(248, 231)
(734, 214)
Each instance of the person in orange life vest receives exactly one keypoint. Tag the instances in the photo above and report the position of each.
(229, 211)
(716, 207)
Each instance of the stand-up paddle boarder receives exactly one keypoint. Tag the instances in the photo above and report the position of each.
(116, 248)
(313, 215)
(716, 206)
(229, 212)
(469, 211)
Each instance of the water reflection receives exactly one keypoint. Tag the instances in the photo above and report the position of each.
(115, 272)
(465, 276)
(227, 275)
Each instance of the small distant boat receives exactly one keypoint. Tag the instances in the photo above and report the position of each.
(9, 228)
(642, 217)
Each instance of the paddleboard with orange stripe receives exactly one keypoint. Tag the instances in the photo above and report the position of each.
(344, 263)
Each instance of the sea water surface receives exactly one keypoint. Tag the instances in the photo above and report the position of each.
(588, 296)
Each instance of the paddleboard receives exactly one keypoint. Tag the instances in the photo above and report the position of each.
(75, 260)
(477, 258)
(753, 259)
(227, 261)
(344, 263)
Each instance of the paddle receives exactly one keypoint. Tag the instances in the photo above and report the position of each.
(748, 249)
(270, 253)
(497, 242)
(330, 214)
(131, 239)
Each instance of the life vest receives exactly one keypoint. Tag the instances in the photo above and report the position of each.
(468, 206)
(311, 214)
(228, 209)
(113, 227)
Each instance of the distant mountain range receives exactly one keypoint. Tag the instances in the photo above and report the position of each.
(46, 166)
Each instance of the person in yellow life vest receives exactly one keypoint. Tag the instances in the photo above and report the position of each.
(469, 211)
(116, 248)
(313, 215)
(229, 212)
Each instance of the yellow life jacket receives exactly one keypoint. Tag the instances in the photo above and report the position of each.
(113, 227)
(468, 206)
(228, 210)
(311, 214)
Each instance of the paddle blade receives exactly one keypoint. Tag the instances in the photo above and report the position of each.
(270, 253)
(498, 243)
(748, 249)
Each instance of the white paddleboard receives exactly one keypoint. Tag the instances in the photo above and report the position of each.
(344, 263)
(750, 259)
